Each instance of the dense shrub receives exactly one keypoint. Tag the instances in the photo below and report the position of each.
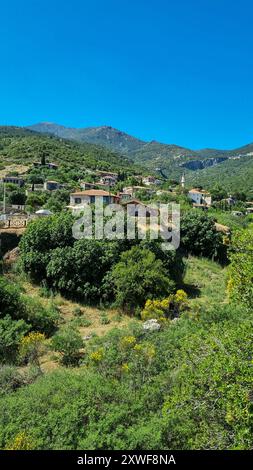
(240, 284)
(68, 343)
(10, 379)
(199, 236)
(20, 314)
(42, 319)
(139, 276)
(10, 303)
(11, 332)
(40, 237)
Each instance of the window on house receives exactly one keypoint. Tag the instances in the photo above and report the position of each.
(78, 200)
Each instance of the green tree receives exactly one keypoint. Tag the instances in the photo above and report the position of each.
(17, 197)
(36, 199)
(57, 201)
(139, 276)
(11, 333)
(68, 343)
(199, 236)
(240, 196)
(42, 236)
(218, 193)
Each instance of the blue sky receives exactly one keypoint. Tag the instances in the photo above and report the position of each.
(173, 71)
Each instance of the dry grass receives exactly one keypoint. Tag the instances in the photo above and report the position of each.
(20, 169)
(92, 316)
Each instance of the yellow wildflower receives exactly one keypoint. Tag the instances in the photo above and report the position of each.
(98, 355)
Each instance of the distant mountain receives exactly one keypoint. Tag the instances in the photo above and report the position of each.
(107, 148)
(106, 136)
(169, 159)
(149, 152)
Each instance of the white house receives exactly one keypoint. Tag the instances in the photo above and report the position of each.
(200, 196)
(85, 185)
(149, 180)
(124, 196)
(81, 198)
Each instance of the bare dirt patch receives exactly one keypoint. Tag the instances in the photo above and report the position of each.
(20, 169)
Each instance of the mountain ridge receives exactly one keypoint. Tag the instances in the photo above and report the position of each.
(84, 132)
(169, 160)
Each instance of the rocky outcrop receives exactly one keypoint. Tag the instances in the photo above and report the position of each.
(201, 164)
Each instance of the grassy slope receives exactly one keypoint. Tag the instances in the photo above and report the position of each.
(205, 282)
(90, 323)
(236, 223)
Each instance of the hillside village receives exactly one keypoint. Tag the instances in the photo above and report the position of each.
(108, 187)
(103, 320)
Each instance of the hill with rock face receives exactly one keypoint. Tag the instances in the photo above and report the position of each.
(168, 159)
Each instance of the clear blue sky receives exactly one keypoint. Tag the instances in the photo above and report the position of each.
(177, 71)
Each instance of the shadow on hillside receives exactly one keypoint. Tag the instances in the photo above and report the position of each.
(191, 290)
(8, 241)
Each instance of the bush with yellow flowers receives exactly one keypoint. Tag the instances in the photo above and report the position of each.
(167, 308)
(31, 347)
(21, 441)
(97, 356)
(128, 342)
(125, 368)
(180, 300)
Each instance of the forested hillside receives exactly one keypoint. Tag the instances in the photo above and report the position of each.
(202, 167)
(234, 175)
(23, 147)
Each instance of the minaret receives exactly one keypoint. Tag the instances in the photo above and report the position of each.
(183, 181)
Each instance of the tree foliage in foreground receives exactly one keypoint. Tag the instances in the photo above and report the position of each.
(240, 285)
(199, 236)
(84, 269)
(186, 387)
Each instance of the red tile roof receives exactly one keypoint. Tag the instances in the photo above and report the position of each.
(93, 192)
